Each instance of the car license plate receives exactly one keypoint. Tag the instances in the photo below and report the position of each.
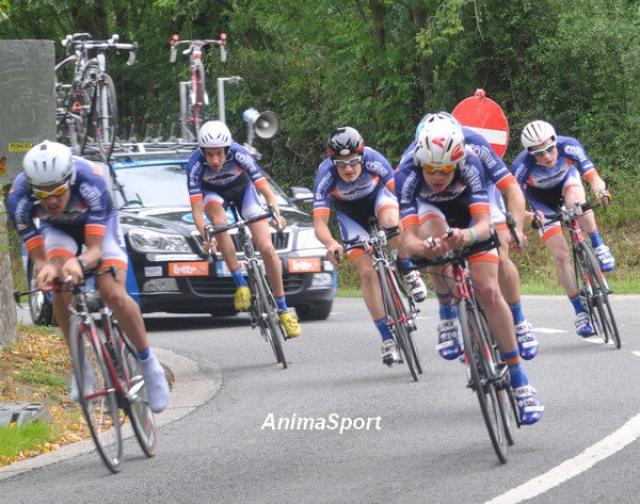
(222, 270)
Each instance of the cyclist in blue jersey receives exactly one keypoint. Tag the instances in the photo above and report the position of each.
(69, 197)
(500, 182)
(443, 187)
(358, 182)
(549, 170)
(219, 171)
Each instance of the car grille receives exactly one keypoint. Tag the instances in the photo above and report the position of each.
(280, 241)
(227, 287)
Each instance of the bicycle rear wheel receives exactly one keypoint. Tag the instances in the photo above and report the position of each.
(96, 392)
(137, 407)
(600, 298)
(396, 312)
(105, 120)
(477, 351)
(268, 320)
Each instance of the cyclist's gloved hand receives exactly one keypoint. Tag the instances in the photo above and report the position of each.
(72, 270)
(45, 276)
(452, 239)
(278, 221)
(537, 219)
(335, 253)
(604, 198)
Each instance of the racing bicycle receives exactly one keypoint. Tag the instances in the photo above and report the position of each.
(591, 281)
(399, 307)
(264, 310)
(86, 107)
(488, 375)
(107, 372)
(193, 95)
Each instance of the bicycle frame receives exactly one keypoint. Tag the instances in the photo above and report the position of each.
(191, 108)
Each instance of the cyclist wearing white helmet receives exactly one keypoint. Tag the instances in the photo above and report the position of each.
(357, 181)
(219, 171)
(70, 198)
(440, 188)
(549, 170)
(500, 183)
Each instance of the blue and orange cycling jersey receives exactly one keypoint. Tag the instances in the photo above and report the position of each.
(468, 189)
(495, 169)
(238, 168)
(571, 154)
(90, 206)
(328, 184)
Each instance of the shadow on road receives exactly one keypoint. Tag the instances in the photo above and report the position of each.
(170, 322)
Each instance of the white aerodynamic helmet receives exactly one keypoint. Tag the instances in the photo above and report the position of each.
(214, 134)
(432, 117)
(536, 133)
(47, 164)
(440, 141)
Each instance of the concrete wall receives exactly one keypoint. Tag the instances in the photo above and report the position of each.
(27, 105)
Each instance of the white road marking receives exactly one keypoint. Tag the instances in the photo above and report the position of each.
(336, 313)
(637, 354)
(547, 330)
(572, 467)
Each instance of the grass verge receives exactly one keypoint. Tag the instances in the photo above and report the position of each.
(35, 369)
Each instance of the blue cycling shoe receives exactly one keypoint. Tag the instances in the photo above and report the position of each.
(530, 409)
(527, 342)
(449, 345)
(583, 325)
(605, 258)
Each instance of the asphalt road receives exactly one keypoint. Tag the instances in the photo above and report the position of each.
(426, 441)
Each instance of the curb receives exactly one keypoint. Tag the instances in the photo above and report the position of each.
(191, 390)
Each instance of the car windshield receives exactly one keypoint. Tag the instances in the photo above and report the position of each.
(162, 185)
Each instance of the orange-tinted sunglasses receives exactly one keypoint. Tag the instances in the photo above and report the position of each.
(57, 192)
(429, 168)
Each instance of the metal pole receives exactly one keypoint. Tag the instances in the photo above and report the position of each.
(221, 111)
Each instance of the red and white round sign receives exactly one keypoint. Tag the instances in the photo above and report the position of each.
(485, 117)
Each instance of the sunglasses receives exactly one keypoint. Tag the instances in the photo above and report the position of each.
(57, 192)
(353, 162)
(429, 168)
(542, 152)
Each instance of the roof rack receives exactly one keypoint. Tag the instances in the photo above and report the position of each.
(145, 148)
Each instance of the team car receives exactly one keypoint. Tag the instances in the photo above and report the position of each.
(168, 270)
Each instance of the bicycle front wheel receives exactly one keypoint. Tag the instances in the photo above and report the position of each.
(396, 313)
(137, 407)
(106, 115)
(477, 352)
(96, 392)
(268, 320)
(600, 299)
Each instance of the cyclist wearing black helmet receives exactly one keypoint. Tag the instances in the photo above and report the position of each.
(358, 182)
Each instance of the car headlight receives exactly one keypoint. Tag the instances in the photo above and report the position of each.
(145, 240)
(307, 240)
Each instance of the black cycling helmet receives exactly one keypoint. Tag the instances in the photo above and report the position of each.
(345, 141)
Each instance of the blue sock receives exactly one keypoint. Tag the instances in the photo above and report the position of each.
(383, 328)
(447, 309)
(577, 304)
(517, 376)
(596, 239)
(405, 263)
(516, 311)
(144, 354)
(282, 303)
(238, 278)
